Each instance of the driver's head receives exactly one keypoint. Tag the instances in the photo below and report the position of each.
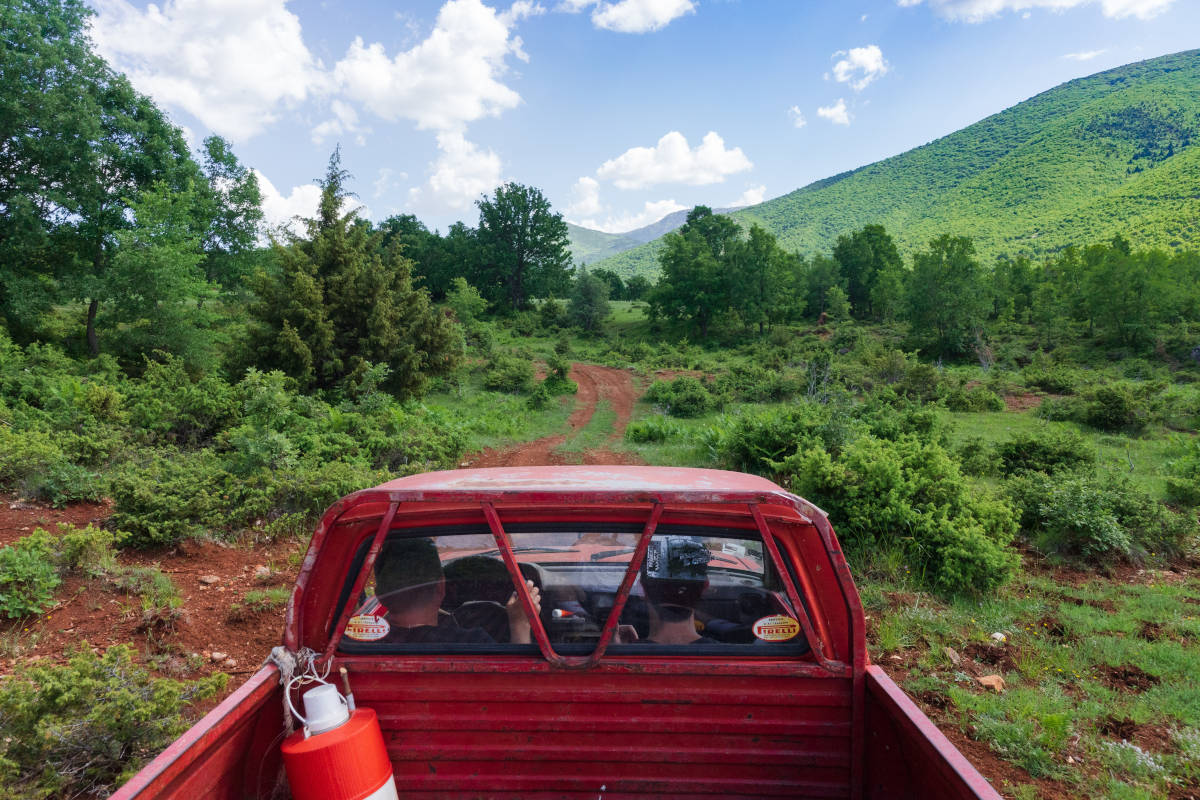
(675, 575)
(408, 572)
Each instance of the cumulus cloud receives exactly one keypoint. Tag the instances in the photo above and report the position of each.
(797, 116)
(980, 10)
(387, 179)
(585, 198)
(284, 211)
(835, 113)
(652, 211)
(1087, 55)
(343, 122)
(751, 197)
(859, 66)
(673, 161)
(446, 81)
(639, 16)
(459, 176)
(232, 65)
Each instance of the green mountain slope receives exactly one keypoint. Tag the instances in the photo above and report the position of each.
(588, 245)
(1118, 151)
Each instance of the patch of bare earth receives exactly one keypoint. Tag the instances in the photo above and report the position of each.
(596, 383)
(1022, 402)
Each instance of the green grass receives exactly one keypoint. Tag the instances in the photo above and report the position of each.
(596, 434)
(1143, 458)
(494, 419)
(1061, 642)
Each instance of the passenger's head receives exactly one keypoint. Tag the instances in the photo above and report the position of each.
(675, 575)
(408, 572)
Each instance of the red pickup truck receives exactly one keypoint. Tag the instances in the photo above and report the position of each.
(585, 632)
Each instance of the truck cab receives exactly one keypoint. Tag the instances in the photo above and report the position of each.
(585, 632)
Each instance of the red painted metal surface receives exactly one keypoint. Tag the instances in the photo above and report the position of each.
(908, 758)
(231, 753)
(622, 725)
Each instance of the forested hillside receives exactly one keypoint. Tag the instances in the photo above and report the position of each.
(1112, 152)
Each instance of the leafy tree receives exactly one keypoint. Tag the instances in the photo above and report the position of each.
(338, 306)
(763, 266)
(229, 210)
(77, 145)
(865, 255)
(523, 247)
(637, 287)
(465, 301)
(589, 301)
(616, 286)
(696, 262)
(947, 296)
(821, 277)
(155, 276)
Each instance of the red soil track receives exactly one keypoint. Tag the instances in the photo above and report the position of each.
(596, 383)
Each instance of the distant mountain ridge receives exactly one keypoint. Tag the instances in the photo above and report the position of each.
(1114, 152)
(588, 245)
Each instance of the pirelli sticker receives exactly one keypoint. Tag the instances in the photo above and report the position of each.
(776, 628)
(367, 628)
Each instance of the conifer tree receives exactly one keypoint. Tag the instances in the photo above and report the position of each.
(341, 303)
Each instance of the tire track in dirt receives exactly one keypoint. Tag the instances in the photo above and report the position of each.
(596, 383)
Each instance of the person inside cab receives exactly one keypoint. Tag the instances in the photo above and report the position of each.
(674, 577)
(410, 584)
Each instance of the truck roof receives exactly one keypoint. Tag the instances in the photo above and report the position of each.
(584, 479)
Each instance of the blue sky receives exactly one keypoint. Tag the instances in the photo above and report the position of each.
(620, 111)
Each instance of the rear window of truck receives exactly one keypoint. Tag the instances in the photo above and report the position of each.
(699, 590)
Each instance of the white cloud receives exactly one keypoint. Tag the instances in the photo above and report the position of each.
(585, 198)
(388, 179)
(1087, 55)
(635, 16)
(835, 113)
(343, 122)
(980, 10)
(459, 176)
(446, 81)
(233, 65)
(282, 211)
(751, 197)
(652, 211)
(797, 116)
(859, 66)
(673, 161)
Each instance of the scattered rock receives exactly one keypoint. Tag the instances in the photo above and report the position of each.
(230, 663)
(993, 682)
(209, 580)
(953, 655)
(998, 637)
(218, 657)
(262, 571)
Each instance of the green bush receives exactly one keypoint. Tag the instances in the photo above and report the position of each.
(978, 457)
(83, 728)
(1043, 373)
(755, 384)
(28, 576)
(1115, 408)
(1095, 518)
(757, 442)
(1183, 482)
(682, 397)
(910, 495)
(168, 497)
(509, 373)
(557, 380)
(1048, 451)
(170, 406)
(655, 429)
(960, 397)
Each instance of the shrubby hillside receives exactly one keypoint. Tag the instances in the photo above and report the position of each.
(1112, 152)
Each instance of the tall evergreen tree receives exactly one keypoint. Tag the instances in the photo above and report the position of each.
(339, 304)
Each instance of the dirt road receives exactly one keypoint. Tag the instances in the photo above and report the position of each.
(596, 383)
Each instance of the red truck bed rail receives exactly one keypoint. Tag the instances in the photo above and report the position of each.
(624, 725)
